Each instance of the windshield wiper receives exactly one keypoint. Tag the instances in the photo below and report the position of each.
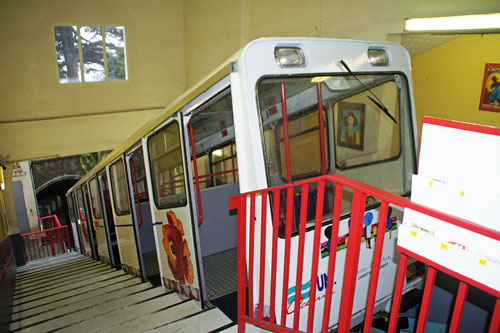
(377, 102)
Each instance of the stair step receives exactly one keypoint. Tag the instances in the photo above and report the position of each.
(57, 293)
(93, 312)
(116, 317)
(58, 280)
(80, 305)
(157, 319)
(205, 321)
(49, 264)
(96, 290)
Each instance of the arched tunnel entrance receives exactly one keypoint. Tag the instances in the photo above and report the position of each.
(52, 200)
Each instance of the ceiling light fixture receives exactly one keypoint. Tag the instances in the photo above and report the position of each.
(472, 23)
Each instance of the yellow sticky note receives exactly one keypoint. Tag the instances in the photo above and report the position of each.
(444, 246)
(462, 193)
(431, 183)
(413, 233)
(482, 262)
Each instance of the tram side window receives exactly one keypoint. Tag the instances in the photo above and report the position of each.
(94, 197)
(119, 188)
(225, 165)
(213, 136)
(139, 175)
(204, 176)
(167, 171)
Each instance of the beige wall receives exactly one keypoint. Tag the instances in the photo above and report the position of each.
(448, 80)
(171, 44)
(217, 29)
(32, 102)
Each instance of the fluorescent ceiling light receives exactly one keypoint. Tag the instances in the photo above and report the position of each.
(454, 23)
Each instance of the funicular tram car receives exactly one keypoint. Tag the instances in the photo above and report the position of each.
(278, 111)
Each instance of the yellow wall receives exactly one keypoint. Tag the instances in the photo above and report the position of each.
(32, 101)
(448, 80)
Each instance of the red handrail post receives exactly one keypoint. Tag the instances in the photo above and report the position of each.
(495, 319)
(321, 129)
(377, 260)
(459, 306)
(276, 215)
(232, 162)
(352, 258)
(300, 260)
(251, 247)
(315, 260)
(426, 299)
(239, 203)
(333, 255)
(285, 133)
(286, 268)
(262, 269)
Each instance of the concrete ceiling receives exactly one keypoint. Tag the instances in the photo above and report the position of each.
(420, 43)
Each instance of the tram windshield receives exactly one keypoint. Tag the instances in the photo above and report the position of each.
(346, 132)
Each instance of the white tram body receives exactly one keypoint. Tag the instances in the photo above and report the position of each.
(363, 127)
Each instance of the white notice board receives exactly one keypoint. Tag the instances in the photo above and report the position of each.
(459, 174)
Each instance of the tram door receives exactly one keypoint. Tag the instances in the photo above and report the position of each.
(141, 213)
(124, 224)
(83, 223)
(174, 227)
(215, 172)
(109, 222)
(90, 224)
(77, 233)
(103, 244)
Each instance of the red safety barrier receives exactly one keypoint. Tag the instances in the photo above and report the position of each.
(48, 222)
(46, 243)
(262, 258)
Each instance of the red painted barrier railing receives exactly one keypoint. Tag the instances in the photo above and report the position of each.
(48, 222)
(46, 243)
(258, 263)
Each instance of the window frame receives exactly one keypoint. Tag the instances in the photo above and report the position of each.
(81, 65)
(184, 202)
(97, 197)
(117, 210)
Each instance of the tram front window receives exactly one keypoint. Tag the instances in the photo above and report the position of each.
(360, 141)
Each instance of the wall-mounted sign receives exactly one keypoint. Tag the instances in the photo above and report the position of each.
(490, 94)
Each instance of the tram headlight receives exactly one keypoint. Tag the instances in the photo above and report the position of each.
(378, 57)
(287, 56)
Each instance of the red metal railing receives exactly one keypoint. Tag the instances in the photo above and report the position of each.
(46, 243)
(48, 222)
(269, 292)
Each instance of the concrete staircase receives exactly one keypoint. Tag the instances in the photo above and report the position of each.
(73, 293)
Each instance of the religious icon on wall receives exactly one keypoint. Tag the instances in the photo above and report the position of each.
(490, 94)
(351, 125)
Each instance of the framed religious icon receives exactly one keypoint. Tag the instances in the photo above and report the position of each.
(490, 93)
(351, 125)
